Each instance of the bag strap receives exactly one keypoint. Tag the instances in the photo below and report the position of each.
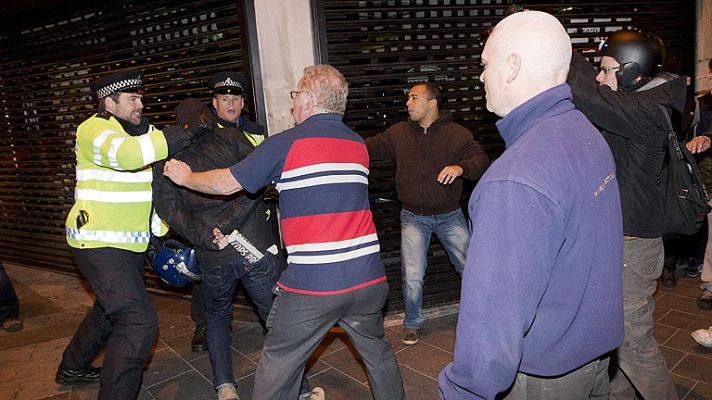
(673, 144)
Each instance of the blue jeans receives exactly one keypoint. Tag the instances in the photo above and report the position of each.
(219, 283)
(453, 232)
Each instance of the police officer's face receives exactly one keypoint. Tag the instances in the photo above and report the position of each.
(129, 107)
(607, 72)
(228, 106)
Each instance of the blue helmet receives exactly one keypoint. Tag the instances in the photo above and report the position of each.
(176, 264)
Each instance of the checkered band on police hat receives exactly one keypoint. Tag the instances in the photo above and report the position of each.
(124, 81)
(227, 82)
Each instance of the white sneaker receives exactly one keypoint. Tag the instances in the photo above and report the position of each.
(227, 391)
(317, 394)
(703, 336)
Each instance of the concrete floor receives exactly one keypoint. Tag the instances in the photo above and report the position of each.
(52, 305)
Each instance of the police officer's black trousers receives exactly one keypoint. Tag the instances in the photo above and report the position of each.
(123, 321)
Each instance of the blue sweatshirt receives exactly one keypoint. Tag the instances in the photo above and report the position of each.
(542, 290)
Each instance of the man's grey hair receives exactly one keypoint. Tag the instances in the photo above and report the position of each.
(327, 86)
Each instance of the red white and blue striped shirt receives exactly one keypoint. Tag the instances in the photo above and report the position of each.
(320, 169)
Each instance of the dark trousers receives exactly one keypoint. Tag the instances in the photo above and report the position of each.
(219, 283)
(197, 305)
(584, 383)
(638, 363)
(297, 324)
(9, 305)
(122, 321)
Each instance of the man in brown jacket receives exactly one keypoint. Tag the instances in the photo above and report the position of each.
(431, 152)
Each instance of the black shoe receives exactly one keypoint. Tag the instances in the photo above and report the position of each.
(66, 376)
(199, 342)
(667, 279)
(705, 300)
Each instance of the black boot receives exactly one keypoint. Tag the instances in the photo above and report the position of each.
(668, 279)
(199, 342)
(66, 376)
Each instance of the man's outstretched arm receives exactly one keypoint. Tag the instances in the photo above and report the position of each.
(216, 181)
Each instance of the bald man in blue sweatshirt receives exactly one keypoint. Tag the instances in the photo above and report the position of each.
(542, 292)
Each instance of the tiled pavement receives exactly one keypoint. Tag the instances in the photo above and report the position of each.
(52, 305)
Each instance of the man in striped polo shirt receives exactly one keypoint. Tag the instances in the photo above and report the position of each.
(334, 274)
(108, 231)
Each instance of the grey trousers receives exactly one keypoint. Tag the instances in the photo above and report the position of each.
(297, 324)
(587, 382)
(639, 362)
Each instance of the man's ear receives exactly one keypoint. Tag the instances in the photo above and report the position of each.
(308, 103)
(513, 66)
(215, 102)
(433, 103)
(109, 104)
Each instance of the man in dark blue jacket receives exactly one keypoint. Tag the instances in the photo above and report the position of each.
(541, 300)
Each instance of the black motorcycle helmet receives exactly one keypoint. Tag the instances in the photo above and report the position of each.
(641, 57)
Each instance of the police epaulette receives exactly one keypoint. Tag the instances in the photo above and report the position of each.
(104, 114)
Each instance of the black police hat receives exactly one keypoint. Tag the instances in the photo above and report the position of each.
(227, 82)
(123, 81)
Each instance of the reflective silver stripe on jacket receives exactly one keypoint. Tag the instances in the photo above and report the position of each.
(113, 197)
(106, 175)
(108, 236)
(113, 150)
(147, 149)
(97, 143)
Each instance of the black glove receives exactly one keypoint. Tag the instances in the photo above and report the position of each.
(154, 244)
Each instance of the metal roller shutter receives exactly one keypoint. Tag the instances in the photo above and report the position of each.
(385, 46)
(48, 56)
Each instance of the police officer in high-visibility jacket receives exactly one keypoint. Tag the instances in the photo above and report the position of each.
(108, 231)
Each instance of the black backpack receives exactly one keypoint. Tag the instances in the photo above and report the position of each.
(685, 196)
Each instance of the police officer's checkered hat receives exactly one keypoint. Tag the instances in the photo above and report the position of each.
(124, 81)
(227, 82)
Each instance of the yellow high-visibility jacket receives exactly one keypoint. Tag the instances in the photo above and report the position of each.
(112, 198)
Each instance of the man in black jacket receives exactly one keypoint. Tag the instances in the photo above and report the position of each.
(636, 131)
(431, 152)
(228, 89)
(252, 257)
